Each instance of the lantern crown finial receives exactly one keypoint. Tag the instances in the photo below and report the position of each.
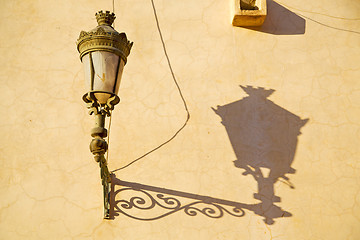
(105, 18)
(104, 38)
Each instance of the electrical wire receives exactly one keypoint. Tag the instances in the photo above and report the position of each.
(178, 88)
(108, 138)
(323, 14)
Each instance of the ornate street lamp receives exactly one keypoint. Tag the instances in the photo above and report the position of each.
(103, 52)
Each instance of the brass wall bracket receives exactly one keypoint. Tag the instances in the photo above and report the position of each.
(98, 145)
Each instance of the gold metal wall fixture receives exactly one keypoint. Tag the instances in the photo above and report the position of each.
(103, 52)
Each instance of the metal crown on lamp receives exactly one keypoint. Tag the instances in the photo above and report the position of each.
(103, 52)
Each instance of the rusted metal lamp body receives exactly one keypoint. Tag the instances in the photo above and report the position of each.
(103, 52)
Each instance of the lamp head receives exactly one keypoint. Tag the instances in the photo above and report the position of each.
(104, 53)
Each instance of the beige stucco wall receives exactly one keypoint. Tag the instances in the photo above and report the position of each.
(308, 53)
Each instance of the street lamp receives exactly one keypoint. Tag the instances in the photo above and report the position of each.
(103, 52)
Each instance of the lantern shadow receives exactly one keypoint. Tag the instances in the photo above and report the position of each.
(264, 138)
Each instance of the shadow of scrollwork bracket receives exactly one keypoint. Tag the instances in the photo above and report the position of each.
(169, 201)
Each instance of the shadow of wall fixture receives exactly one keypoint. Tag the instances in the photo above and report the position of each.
(103, 52)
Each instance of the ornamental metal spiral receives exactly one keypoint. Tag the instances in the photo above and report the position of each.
(147, 201)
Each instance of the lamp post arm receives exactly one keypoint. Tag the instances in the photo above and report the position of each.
(106, 182)
(98, 147)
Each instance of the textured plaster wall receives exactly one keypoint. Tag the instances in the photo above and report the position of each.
(287, 153)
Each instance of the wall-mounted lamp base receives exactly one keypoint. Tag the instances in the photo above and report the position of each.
(247, 17)
(98, 145)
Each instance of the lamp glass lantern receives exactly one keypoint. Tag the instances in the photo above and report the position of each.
(103, 52)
